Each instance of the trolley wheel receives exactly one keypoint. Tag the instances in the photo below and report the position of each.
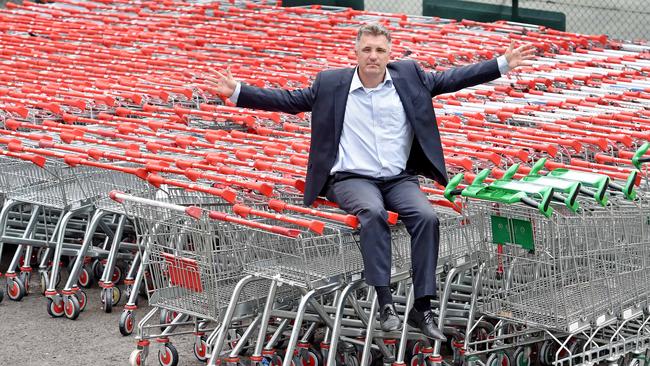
(547, 352)
(117, 295)
(413, 349)
(166, 317)
(351, 360)
(55, 307)
(135, 358)
(107, 300)
(15, 289)
(201, 349)
(168, 355)
(85, 277)
(117, 274)
(313, 358)
(97, 268)
(2, 295)
(72, 308)
(521, 356)
(43, 282)
(25, 277)
(82, 298)
(127, 322)
(499, 358)
(274, 360)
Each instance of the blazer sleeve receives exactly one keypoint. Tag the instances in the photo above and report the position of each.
(457, 78)
(278, 100)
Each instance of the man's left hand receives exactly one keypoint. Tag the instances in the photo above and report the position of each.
(519, 56)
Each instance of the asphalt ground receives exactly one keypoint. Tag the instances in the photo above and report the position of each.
(30, 337)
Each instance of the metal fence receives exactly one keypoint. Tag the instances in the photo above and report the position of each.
(624, 19)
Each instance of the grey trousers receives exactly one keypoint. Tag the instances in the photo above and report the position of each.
(369, 199)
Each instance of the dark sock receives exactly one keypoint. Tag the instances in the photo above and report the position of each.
(423, 303)
(383, 295)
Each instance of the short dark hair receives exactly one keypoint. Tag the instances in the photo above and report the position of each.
(374, 29)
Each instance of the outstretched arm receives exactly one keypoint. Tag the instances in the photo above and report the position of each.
(457, 78)
(270, 99)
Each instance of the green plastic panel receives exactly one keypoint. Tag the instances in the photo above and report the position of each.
(523, 232)
(460, 9)
(512, 231)
(500, 230)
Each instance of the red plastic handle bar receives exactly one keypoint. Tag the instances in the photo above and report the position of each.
(222, 216)
(349, 220)
(313, 225)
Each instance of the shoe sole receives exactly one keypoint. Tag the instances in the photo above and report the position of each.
(392, 329)
(410, 323)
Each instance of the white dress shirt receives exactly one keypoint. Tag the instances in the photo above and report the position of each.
(376, 139)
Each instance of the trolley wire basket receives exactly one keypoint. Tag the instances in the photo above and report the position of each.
(566, 272)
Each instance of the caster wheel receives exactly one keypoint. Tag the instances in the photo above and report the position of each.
(107, 300)
(85, 277)
(201, 349)
(117, 275)
(55, 307)
(15, 289)
(117, 295)
(97, 268)
(274, 360)
(2, 295)
(25, 277)
(166, 317)
(498, 359)
(127, 323)
(82, 298)
(135, 359)
(167, 355)
(521, 356)
(43, 282)
(72, 308)
(313, 358)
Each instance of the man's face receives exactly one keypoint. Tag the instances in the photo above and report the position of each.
(373, 53)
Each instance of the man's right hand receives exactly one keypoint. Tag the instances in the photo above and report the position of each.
(224, 85)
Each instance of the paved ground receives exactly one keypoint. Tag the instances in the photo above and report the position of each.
(30, 337)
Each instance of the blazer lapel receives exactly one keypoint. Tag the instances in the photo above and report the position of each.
(340, 100)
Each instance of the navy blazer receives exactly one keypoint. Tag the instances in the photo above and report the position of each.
(327, 97)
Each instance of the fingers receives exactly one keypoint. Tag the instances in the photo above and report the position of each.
(512, 45)
(211, 80)
(229, 73)
(220, 75)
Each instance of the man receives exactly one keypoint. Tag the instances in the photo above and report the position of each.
(373, 131)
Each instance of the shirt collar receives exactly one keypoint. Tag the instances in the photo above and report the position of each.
(356, 81)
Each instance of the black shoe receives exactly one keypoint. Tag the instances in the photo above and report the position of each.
(388, 319)
(424, 321)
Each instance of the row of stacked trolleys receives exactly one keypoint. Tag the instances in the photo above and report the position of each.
(121, 168)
